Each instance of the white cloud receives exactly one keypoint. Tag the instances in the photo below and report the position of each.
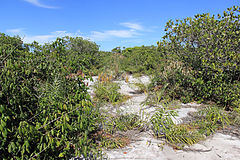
(132, 31)
(15, 31)
(130, 41)
(39, 4)
(111, 34)
(49, 37)
(133, 26)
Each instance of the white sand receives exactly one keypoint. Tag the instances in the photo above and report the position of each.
(145, 146)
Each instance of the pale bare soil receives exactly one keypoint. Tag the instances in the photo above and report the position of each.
(144, 145)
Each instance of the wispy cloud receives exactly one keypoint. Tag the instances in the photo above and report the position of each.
(132, 31)
(15, 31)
(39, 4)
(134, 26)
(49, 37)
(96, 36)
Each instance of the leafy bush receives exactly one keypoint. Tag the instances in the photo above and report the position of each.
(210, 47)
(173, 81)
(210, 119)
(206, 122)
(139, 59)
(123, 123)
(176, 135)
(46, 112)
(108, 92)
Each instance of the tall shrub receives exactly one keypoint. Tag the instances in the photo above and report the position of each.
(45, 111)
(210, 46)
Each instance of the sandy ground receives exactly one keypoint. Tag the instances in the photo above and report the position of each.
(145, 146)
(217, 147)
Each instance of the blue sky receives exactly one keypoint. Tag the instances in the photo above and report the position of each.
(109, 23)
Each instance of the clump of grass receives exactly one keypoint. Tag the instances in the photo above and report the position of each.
(235, 116)
(124, 123)
(111, 141)
(109, 136)
(108, 92)
(211, 119)
(207, 121)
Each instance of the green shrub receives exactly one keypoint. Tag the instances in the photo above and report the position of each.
(123, 123)
(173, 81)
(176, 135)
(210, 119)
(45, 111)
(209, 45)
(140, 59)
(108, 92)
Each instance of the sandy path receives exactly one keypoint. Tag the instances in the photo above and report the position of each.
(145, 146)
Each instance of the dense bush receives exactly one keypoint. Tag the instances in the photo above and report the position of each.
(174, 81)
(209, 46)
(45, 110)
(140, 59)
(108, 92)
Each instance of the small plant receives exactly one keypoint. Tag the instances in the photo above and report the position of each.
(110, 141)
(176, 135)
(126, 79)
(155, 98)
(236, 116)
(114, 130)
(210, 119)
(108, 92)
(124, 123)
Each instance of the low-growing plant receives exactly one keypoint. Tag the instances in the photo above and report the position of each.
(206, 122)
(176, 135)
(235, 116)
(210, 119)
(108, 92)
(110, 141)
(114, 129)
(123, 123)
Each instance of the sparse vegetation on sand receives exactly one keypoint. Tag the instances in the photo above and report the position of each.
(46, 111)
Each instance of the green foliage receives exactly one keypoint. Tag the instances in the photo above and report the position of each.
(207, 121)
(176, 135)
(140, 59)
(83, 52)
(235, 116)
(211, 119)
(123, 123)
(108, 92)
(209, 46)
(162, 121)
(45, 111)
(114, 125)
(173, 82)
(109, 62)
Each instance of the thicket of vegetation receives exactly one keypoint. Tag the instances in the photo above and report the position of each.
(208, 50)
(47, 113)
